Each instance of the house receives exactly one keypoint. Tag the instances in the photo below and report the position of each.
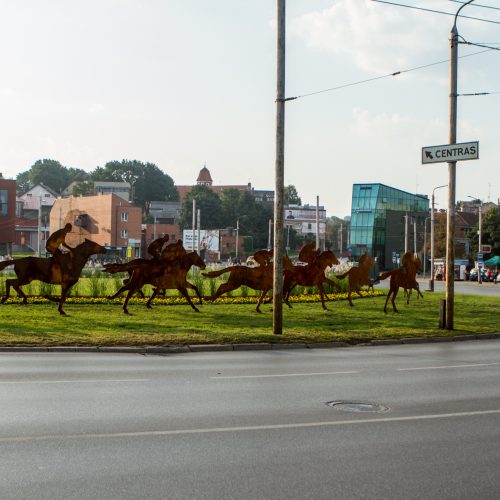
(32, 217)
(302, 218)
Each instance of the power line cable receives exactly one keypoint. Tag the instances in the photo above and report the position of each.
(437, 11)
(465, 42)
(395, 73)
(477, 5)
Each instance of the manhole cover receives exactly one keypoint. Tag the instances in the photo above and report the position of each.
(358, 406)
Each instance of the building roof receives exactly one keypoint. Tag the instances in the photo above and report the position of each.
(204, 176)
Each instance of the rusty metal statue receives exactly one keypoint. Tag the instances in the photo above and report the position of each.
(65, 272)
(404, 277)
(258, 278)
(313, 274)
(168, 273)
(358, 276)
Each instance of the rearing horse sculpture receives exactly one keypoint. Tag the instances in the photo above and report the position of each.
(66, 273)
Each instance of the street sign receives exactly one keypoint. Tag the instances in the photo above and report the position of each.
(486, 248)
(479, 256)
(450, 152)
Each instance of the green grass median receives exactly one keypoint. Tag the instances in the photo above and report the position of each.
(97, 323)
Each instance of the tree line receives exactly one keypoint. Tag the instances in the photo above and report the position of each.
(228, 209)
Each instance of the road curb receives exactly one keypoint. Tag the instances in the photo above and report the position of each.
(173, 349)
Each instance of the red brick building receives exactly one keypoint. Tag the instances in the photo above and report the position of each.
(106, 219)
(7, 215)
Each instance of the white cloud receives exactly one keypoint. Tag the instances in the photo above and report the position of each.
(378, 38)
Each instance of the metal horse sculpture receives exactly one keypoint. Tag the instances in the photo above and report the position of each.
(162, 275)
(313, 274)
(402, 278)
(66, 273)
(258, 278)
(358, 276)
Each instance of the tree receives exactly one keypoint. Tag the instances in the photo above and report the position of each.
(50, 173)
(490, 234)
(291, 196)
(210, 207)
(148, 183)
(440, 239)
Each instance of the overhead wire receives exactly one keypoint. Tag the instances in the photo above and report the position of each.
(477, 5)
(395, 73)
(437, 11)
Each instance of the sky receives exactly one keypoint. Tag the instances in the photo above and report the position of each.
(188, 83)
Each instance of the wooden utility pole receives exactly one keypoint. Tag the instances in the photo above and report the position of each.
(279, 173)
(452, 179)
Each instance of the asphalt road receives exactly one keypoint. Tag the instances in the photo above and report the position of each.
(253, 425)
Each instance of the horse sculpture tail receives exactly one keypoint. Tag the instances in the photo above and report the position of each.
(117, 268)
(214, 274)
(385, 275)
(6, 263)
(342, 276)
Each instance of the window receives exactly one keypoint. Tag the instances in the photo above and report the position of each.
(124, 233)
(4, 202)
(124, 216)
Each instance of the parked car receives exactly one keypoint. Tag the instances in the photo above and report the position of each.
(474, 274)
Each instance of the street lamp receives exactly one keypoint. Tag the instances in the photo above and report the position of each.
(431, 282)
(425, 244)
(479, 277)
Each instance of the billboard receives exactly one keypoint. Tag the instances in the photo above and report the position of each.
(209, 240)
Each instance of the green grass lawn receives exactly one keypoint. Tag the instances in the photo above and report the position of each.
(106, 325)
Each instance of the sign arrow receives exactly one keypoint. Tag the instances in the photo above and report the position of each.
(428, 154)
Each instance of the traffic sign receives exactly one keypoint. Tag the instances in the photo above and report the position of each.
(450, 152)
(486, 248)
(479, 256)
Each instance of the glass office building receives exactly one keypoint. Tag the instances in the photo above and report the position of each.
(378, 221)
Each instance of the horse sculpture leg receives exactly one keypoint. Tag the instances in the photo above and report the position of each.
(16, 285)
(127, 298)
(322, 295)
(153, 295)
(184, 292)
(195, 288)
(261, 298)
(393, 299)
(62, 300)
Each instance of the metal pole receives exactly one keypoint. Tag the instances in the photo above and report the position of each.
(479, 277)
(154, 229)
(317, 221)
(452, 178)
(406, 233)
(425, 245)
(431, 283)
(288, 239)
(279, 173)
(237, 234)
(39, 223)
(198, 214)
(415, 236)
(194, 223)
